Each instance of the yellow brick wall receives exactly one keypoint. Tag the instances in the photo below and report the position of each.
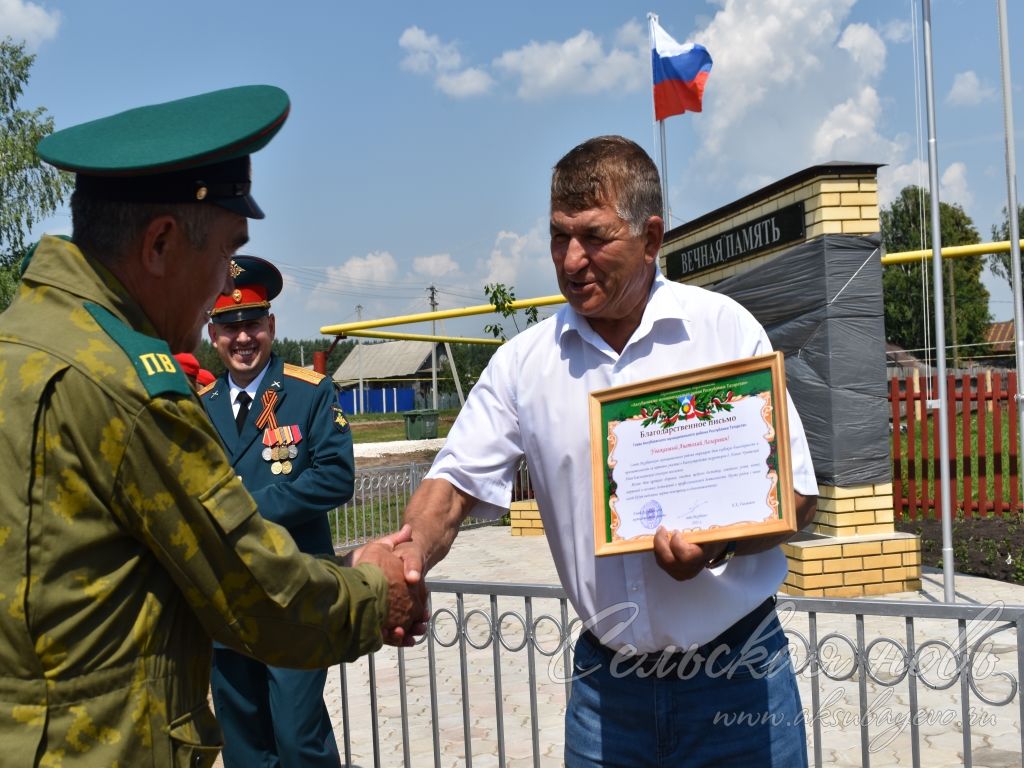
(525, 519)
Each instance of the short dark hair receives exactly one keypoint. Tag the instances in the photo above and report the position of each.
(104, 229)
(608, 169)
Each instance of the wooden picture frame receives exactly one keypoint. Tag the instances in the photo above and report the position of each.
(704, 451)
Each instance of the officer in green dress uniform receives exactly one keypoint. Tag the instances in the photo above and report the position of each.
(127, 539)
(289, 441)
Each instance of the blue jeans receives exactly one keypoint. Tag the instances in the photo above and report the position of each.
(739, 708)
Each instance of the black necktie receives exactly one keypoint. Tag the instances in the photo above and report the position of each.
(243, 401)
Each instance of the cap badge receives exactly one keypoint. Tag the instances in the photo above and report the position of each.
(234, 269)
(236, 295)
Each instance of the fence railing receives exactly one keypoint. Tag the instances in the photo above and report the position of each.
(982, 440)
(899, 683)
(379, 498)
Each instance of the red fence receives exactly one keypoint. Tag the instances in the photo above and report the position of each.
(983, 445)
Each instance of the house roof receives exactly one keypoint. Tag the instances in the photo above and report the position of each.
(1000, 337)
(897, 355)
(389, 359)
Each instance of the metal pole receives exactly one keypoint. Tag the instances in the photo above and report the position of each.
(1011, 207)
(940, 321)
(652, 19)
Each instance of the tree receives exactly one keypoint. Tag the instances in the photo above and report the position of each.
(905, 227)
(501, 297)
(1000, 262)
(29, 189)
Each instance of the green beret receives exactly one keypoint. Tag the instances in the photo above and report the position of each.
(257, 283)
(189, 150)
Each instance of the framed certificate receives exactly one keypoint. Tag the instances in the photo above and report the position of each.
(704, 451)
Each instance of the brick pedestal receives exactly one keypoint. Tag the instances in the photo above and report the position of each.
(854, 549)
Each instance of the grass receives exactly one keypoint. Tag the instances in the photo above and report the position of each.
(997, 458)
(389, 427)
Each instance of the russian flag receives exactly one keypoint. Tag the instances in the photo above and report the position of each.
(680, 72)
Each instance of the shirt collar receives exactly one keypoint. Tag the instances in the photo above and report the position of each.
(251, 389)
(661, 307)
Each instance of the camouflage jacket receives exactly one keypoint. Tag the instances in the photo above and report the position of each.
(127, 542)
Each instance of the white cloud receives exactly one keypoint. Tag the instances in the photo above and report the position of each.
(374, 269)
(968, 90)
(580, 64)
(953, 185)
(865, 47)
(522, 262)
(468, 82)
(28, 21)
(427, 55)
(438, 265)
(897, 31)
(849, 131)
(771, 56)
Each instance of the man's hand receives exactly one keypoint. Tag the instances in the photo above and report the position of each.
(681, 559)
(408, 611)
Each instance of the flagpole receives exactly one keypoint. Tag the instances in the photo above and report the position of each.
(940, 320)
(662, 152)
(1011, 205)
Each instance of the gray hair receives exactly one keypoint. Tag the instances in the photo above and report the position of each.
(608, 170)
(105, 229)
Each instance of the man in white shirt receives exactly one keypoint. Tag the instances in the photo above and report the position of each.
(636, 699)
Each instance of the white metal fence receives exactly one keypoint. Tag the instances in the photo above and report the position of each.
(883, 682)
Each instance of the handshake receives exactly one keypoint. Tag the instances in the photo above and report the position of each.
(402, 563)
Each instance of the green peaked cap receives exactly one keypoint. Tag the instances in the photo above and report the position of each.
(189, 150)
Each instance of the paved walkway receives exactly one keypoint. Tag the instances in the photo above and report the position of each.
(493, 554)
(531, 724)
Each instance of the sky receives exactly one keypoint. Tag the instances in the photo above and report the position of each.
(421, 137)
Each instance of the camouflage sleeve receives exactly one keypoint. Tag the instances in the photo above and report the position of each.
(243, 576)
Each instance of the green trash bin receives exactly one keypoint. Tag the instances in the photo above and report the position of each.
(420, 425)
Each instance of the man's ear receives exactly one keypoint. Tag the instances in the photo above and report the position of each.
(212, 331)
(158, 244)
(654, 234)
(272, 325)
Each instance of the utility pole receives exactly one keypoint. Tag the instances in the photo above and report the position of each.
(433, 348)
(359, 359)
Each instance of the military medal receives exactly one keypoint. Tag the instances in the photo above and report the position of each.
(280, 443)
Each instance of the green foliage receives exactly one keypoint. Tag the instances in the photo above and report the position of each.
(8, 284)
(470, 361)
(1000, 262)
(30, 190)
(906, 227)
(502, 297)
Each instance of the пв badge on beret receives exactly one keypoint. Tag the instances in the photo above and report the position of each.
(257, 283)
(185, 151)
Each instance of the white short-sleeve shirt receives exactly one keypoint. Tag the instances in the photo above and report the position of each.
(532, 400)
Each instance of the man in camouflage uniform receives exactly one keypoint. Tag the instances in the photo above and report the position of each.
(127, 541)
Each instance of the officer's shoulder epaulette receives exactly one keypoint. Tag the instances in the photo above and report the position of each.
(158, 371)
(203, 390)
(303, 373)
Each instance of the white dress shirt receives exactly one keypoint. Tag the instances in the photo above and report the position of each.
(532, 399)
